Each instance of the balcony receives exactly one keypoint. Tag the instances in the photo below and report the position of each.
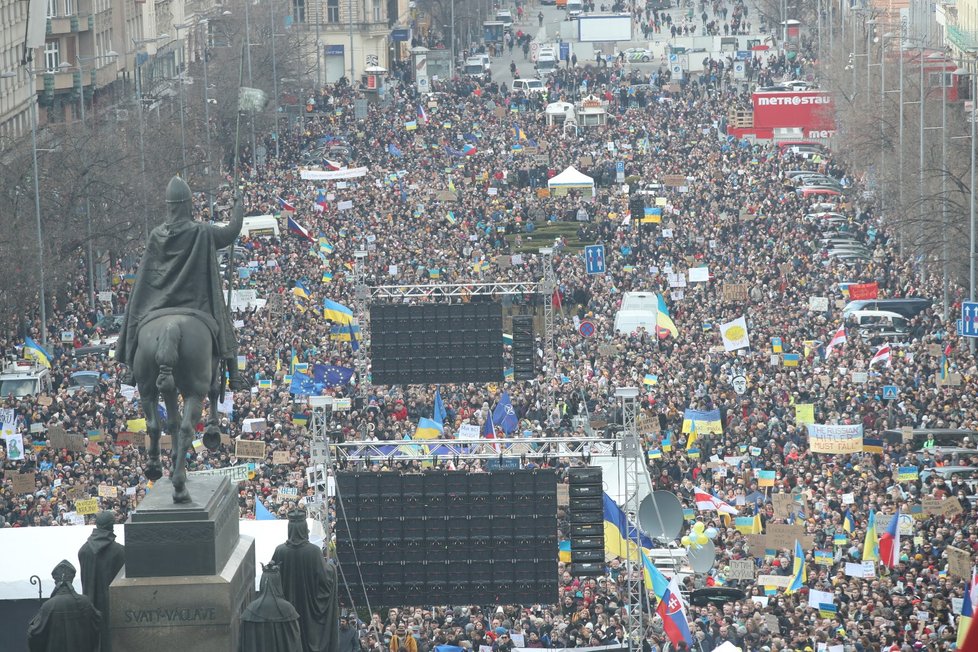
(67, 80)
(369, 28)
(61, 25)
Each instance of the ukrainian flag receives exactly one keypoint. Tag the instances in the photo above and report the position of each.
(706, 422)
(872, 446)
(871, 544)
(653, 576)
(619, 533)
(518, 132)
(434, 272)
(264, 383)
(299, 419)
(337, 312)
(564, 551)
(650, 380)
(664, 325)
(848, 522)
(799, 573)
(428, 429)
(327, 276)
(342, 332)
(37, 353)
(691, 440)
(776, 345)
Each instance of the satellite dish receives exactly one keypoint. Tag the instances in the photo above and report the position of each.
(701, 558)
(715, 595)
(661, 515)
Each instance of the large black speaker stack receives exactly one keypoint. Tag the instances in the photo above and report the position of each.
(524, 367)
(444, 343)
(586, 515)
(448, 538)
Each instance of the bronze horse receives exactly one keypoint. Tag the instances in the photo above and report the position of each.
(177, 330)
(175, 356)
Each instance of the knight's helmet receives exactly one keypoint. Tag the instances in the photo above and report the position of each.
(178, 199)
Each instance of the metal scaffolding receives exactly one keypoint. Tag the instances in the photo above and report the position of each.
(360, 311)
(450, 290)
(476, 449)
(547, 288)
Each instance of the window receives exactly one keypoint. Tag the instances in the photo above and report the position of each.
(52, 8)
(378, 12)
(69, 7)
(332, 11)
(52, 55)
(937, 77)
(299, 11)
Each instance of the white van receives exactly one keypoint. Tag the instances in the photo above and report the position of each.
(638, 310)
(255, 225)
(528, 86)
(547, 62)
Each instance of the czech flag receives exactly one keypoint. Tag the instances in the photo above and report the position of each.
(297, 229)
(673, 614)
(890, 543)
(422, 116)
(285, 205)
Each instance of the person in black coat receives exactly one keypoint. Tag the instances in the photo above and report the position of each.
(101, 558)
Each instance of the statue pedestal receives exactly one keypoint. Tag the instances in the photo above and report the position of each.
(188, 572)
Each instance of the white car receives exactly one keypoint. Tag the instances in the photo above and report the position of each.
(643, 55)
(528, 85)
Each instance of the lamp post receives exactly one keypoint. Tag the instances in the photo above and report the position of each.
(138, 43)
(37, 207)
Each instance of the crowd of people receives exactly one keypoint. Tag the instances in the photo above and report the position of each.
(429, 212)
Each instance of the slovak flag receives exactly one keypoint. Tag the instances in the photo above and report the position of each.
(422, 116)
(707, 502)
(673, 614)
(837, 340)
(890, 543)
(881, 355)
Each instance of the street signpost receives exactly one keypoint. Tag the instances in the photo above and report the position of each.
(594, 259)
(620, 172)
(969, 319)
(586, 329)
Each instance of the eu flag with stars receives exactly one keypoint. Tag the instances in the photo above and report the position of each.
(331, 375)
(302, 385)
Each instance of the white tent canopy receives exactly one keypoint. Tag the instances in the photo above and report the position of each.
(571, 178)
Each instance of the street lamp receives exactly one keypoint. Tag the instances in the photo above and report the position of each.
(138, 43)
(37, 207)
(971, 203)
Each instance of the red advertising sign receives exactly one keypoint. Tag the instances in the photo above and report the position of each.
(863, 291)
(812, 111)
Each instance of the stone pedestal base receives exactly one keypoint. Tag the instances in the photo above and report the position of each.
(188, 613)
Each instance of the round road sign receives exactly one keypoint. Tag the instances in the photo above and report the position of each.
(586, 329)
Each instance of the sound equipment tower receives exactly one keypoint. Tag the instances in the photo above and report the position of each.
(586, 515)
(524, 355)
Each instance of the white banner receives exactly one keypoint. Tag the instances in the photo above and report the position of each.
(237, 473)
(331, 175)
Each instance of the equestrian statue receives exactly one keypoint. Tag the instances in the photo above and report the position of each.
(177, 335)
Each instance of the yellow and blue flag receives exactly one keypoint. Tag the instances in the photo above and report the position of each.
(564, 551)
(650, 379)
(653, 576)
(438, 412)
(664, 326)
(37, 353)
(337, 312)
(707, 422)
(620, 534)
(777, 346)
(871, 544)
(691, 440)
(799, 574)
(518, 132)
(428, 429)
(848, 522)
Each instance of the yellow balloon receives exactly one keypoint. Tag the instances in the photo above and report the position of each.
(698, 527)
(686, 541)
(702, 539)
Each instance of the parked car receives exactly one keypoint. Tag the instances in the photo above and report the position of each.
(908, 307)
(967, 474)
(643, 55)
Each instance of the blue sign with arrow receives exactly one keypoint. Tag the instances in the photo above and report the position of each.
(969, 319)
(594, 259)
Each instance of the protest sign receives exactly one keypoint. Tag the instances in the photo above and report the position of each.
(958, 562)
(563, 495)
(741, 569)
(835, 439)
(249, 450)
(804, 413)
(166, 441)
(734, 292)
(781, 581)
(105, 491)
(782, 536)
(864, 569)
(86, 506)
(22, 483)
(280, 457)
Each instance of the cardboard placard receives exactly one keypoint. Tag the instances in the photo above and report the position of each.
(124, 438)
(783, 505)
(782, 581)
(280, 457)
(950, 380)
(952, 506)
(76, 493)
(934, 350)
(772, 624)
(563, 495)
(741, 569)
(86, 506)
(757, 544)
(674, 180)
(93, 449)
(105, 491)
(958, 562)
(22, 483)
(166, 441)
(734, 292)
(249, 450)
(906, 434)
(782, 537)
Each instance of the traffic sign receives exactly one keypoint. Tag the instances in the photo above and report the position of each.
(890, 392)
(586, 329)
(620, 172)
(594, 259)
(969, 319)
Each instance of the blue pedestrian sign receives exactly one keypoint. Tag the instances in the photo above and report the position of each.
(594, 259)
(890, 392)
(969, 319)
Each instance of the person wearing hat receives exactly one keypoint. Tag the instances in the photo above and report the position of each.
(101, 558)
